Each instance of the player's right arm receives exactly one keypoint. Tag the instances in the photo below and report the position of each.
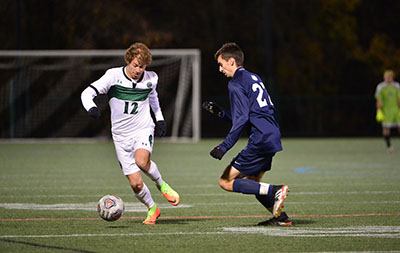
(378, 96)
(100, 86)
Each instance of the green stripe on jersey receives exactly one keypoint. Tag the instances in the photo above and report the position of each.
(128, 94)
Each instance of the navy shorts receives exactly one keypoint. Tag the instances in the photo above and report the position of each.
(250, 163)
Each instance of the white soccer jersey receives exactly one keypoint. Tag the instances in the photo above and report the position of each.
(129, 101)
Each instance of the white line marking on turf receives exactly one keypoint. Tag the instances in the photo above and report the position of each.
(368, 231)
(198, 194)
(129, 207)
(103, 188)
(112, 235)
(138, 207)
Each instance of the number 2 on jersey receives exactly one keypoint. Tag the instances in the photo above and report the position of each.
(134, 109)
(260, 98)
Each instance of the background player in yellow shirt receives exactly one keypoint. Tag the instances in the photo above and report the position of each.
(388, 106)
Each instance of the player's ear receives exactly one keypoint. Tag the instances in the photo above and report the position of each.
(232, 61)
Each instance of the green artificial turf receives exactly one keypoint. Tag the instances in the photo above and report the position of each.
(344, 197)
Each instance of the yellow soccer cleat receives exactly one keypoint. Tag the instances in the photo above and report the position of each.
(152, 216)
(379, 116)
(171, 195)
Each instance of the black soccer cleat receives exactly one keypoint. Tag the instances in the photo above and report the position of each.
(282, 220)
(280, 193)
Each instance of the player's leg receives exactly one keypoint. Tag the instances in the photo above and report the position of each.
(274, 201)
(125, 154)
(233, 180)
(386, 135)
(142, 159)
(268, 202)
(142, 193)
(143, 149)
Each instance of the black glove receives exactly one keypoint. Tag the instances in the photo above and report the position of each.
(217, 153)
(212, 107)
(161, 128)
(94, 112)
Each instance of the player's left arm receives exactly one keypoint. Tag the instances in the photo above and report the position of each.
(398, 94)
(156, 108)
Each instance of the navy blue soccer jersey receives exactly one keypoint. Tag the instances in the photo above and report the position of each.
(251, 106)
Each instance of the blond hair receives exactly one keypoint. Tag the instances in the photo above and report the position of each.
(388, 72)
(139, 51)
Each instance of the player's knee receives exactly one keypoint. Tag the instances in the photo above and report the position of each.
(143, 164)
(224, 184)
(137, 187)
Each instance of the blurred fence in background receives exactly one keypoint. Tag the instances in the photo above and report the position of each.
(40, 98)
(40, 92)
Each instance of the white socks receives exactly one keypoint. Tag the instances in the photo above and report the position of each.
(264, 188)
(144, 196)
(154, 174)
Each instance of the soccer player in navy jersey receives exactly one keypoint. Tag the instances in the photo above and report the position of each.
(250, 105)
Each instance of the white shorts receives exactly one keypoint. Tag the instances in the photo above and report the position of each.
(127, 147)
(390, 125)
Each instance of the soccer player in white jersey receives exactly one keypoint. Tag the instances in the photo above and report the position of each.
(132, 92)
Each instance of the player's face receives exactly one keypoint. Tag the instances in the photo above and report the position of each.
(226, 67)
(135, 69)
(388, 78)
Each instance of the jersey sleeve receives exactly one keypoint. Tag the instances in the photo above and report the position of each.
(378, 95)
(154, 102)
(397, 85)
(226, 115)
(100, 86)
(240, 108)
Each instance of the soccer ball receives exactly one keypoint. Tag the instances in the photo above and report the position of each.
(110, 207)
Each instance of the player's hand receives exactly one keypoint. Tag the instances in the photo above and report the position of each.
(94, 112)
(217, 153)
(379, 116)
(161, 128)
(212, 107)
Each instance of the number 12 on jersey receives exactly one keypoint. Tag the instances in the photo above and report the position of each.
(134, 107)
(261, 100)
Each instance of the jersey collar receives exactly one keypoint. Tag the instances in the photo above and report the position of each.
(125, 74)
(131, 80)
(237, 71)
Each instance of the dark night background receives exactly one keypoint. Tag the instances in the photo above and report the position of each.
(321, 59)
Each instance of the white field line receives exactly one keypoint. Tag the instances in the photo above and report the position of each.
(129, 207)
(368, 231)
(103, 188)
(196, 194)
(138, 207)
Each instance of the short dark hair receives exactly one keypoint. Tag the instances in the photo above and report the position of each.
(231, 50)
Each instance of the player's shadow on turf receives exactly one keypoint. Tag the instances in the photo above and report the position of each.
(175, 221)
(294, 223)
(303, 222)
(118, 227)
